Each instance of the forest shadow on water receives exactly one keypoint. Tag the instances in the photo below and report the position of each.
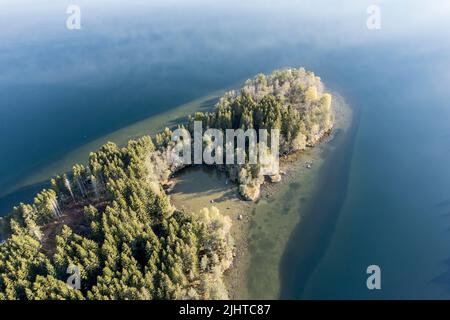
(23, 194)
(310, 238)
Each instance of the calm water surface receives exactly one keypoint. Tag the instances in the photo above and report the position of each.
(384, 198)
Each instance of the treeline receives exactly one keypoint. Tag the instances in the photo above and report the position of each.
(138, 247)
(290, 100)
(114, 221)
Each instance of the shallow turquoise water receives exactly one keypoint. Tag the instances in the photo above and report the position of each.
(60, 89)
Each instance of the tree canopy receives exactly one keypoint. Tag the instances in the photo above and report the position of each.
(111, 218)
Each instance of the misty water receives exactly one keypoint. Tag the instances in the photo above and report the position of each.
(384, 199)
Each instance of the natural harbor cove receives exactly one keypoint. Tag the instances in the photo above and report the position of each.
(119, 201)
(261, 233)
(256, 272)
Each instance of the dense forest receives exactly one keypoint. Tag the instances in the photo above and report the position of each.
(129, 243)
(113, 219)
(292, 101)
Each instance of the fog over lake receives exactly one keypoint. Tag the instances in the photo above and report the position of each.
(61, 89)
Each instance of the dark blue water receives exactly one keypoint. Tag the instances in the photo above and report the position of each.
(395, 210)
(60, 89)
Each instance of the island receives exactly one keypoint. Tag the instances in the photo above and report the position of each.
(112, 218)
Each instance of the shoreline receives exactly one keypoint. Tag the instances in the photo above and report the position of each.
(198, 187)
(252, 247)
(309, 240)
(247, 215)
(148, 126)
(214, 190)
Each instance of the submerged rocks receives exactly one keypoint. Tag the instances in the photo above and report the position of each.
(168, 185)
(275, 178)
(249, 192)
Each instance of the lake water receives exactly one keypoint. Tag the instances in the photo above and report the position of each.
(384, 199)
